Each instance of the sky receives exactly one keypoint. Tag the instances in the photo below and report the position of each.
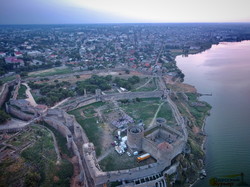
(122, 11)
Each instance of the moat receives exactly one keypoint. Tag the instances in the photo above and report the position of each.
(223, 71)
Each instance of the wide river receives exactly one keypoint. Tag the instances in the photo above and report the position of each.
(224, 71)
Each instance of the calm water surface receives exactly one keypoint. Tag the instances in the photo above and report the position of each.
(224, 71)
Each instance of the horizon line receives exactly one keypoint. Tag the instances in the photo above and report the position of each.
(100, 23)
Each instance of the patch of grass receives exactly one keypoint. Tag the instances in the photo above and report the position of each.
(143, 110)
(200, 112)
(196, 149)
(61, 141)
(151, 86)
(166, 112)
(90, 126)
(21, 92)
(7, 79)
(114, 161)
(64, 173)
(42, 157)
(192, 96)
(53, 71)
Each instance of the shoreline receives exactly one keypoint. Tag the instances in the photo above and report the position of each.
(202, 147)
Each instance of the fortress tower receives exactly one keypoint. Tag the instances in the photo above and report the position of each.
(135, 135)
(160, 121)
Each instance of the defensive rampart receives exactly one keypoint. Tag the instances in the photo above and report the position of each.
(19, 114)
(83, 101)
(5, 91)
(71, 130)
(131, 95)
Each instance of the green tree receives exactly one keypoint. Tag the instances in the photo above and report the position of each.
(4, 116)
(24, 74)
(32, 179)
(127, 71)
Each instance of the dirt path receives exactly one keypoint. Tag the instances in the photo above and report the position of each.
(156, 113)
(61, 102)
(29, 95)
(59, 159)
(3, 87)
(105, 154)
(144, 84)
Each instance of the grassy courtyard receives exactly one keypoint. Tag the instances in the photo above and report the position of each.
(86, 117)
(166, 112)
(114, 161)
(21, 92)
(51, 72)
(143, 110)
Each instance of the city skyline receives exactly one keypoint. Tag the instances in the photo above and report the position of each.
(119, 11)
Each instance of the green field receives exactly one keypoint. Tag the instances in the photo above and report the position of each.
(114, 161)
(89, 124)
(51, 72)
(151, 86)
(36, 165)
(6, 79)
(143, 110)
(166, 112)
(21, 92)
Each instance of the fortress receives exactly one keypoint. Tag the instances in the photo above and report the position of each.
(161, 141)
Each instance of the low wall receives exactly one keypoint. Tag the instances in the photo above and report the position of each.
(4, 94)
(131, 95)
(80, 102)
(19, 114)
(59, 126)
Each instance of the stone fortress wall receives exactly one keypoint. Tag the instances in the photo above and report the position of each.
(18, 113)
(71, 130)
(5, 90)
(83, 101)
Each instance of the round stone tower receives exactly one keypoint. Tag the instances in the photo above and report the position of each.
(160, 121)
(135, 135)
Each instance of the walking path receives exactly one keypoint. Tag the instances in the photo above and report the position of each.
(61, 102)
(156, 113)
(178, 117)
(144, 84)
(105, 154)
(55, 145)
(3, 87)
(29, 95)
